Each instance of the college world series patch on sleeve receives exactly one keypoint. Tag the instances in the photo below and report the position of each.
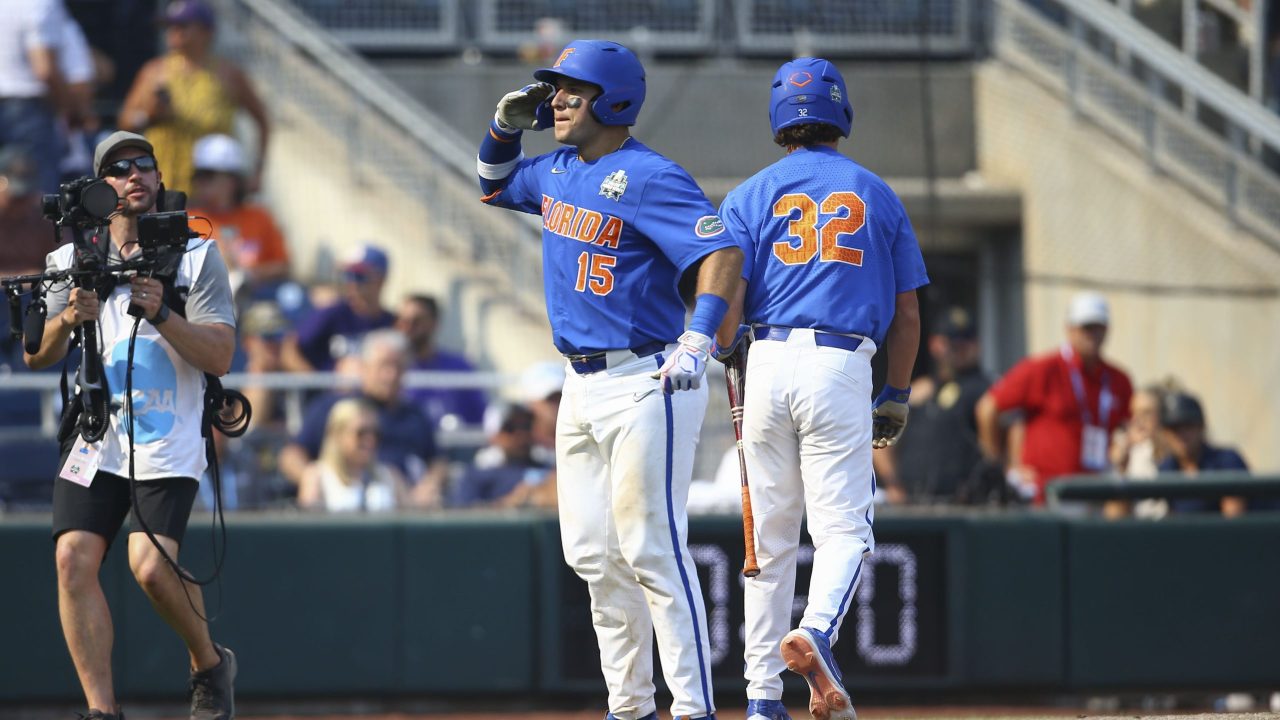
(709, 226)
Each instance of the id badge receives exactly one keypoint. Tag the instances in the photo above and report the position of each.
(81, 464)
(1093, 448)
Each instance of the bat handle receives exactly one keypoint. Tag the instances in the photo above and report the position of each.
(750, 568)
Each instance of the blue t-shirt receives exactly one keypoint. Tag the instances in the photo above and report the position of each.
(467, 403)
(335, 330)
(617, 235)
(406, 437)
(828, 245)
(1211, 458)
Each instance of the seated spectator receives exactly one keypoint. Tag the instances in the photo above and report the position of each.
(419, 319)
(26, 237)
(505, 473)
(407, 440)
(190, 92)
(262, 331)
(939, 460)
(330, 332)
(348, 477)
(541, 386)
(1136, 452)
(247, 235)
(1070, 401)
(1182, 432)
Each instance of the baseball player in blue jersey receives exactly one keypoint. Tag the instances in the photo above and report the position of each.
(830, 274)
(623, 230)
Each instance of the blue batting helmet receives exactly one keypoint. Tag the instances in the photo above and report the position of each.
(614, 68)
(808, 90)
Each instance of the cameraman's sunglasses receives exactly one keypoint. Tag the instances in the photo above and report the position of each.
(120, 168)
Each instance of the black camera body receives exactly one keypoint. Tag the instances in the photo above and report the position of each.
(81, 203)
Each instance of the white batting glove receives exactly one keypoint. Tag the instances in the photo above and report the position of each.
(518, 109)
(683, 370)
(889, 416)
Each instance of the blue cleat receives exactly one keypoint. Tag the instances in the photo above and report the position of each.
(766, 710)
(808, 653)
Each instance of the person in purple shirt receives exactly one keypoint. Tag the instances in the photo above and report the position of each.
(418, 319)
(334, 331)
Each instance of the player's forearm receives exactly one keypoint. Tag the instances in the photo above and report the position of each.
(733, 317)
(720, 273)
(207, 347)
(903, 339)
(500, 153)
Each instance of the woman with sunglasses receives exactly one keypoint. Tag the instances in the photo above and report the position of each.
(348, 477)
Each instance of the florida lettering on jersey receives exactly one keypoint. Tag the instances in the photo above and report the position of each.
(581, 224)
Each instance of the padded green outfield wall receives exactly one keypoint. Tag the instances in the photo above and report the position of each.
(348, 607)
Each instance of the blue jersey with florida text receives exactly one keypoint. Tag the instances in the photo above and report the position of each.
(617, 234)
(827, 245)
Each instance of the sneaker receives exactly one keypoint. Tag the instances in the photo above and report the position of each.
(651, 716)
(808, 653)
(213, 695)
(96, 714)
(766, 710)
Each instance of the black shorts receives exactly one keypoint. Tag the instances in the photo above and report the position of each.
(164, 504)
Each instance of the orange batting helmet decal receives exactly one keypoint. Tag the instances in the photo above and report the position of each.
(800, 79)
(564, 56)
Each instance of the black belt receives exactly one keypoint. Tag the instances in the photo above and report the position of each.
(595, 362)
(824, 339)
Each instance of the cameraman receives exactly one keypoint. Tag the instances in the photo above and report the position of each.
(171, 354)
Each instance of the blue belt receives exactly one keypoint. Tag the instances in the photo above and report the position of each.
(824, 339)
(595, 362)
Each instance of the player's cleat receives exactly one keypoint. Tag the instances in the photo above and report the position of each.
(766, 710)
(808, 653)
(712, 716)
(651, 716)
(213, 694)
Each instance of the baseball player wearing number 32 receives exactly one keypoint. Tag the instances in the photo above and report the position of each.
(623, 229)
(831, 270)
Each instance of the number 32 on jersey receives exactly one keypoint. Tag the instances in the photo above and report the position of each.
(850, 215)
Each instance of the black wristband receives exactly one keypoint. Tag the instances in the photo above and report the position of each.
(161, 315)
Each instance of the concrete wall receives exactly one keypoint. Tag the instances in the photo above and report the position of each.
(712, 116)
(1192, 296)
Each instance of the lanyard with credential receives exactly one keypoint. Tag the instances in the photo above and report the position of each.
(1077, 384)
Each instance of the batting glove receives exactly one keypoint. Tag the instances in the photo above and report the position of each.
(683, 370)
(889, 416)
(527, 108)
(724, 353)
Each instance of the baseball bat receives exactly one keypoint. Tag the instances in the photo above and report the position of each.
(735, 380)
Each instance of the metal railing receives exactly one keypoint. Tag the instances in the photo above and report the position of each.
(388, 136)
(1080, 59)
(803, 27)
(685, 26)
(1170, 486)
(432, 25)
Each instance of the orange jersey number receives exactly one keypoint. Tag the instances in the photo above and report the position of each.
(595, 273)
(803, 224)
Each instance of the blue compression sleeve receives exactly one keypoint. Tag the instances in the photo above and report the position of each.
(708, 313)
(500, 153)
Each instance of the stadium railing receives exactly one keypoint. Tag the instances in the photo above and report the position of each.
(1204, 486)
(803, 27)
(421, 25)
(1119, 74)
(680, 26)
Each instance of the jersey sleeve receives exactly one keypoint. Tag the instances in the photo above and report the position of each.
(908, 263)
(521, 191)
(736, 227)
(676, 215)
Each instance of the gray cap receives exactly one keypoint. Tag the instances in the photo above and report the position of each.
(119, 140)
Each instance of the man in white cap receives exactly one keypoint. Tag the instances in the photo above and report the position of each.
(1069, 402)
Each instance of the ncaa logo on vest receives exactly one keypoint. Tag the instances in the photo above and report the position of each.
(155, 388)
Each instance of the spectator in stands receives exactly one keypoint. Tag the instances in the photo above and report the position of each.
(348, 476)
(1136, 452)
(190, 92)
(419, 319)
(262, 331)
(940, 459)
(329, 332)
(111, 27)
(407, 440)
(1182, 432)
(80, 120)
(1070, 399)
(505, 473)
(247, 235)
(541, 385)
(26, 237)
(32, 89)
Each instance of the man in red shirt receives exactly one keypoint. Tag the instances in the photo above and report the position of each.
(1069, 400)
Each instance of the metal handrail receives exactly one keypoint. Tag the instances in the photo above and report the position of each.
(1210, 484)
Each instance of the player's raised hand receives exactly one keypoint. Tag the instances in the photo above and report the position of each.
(739, 343)
(889, 416)
(683, 370)
(527, 108)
